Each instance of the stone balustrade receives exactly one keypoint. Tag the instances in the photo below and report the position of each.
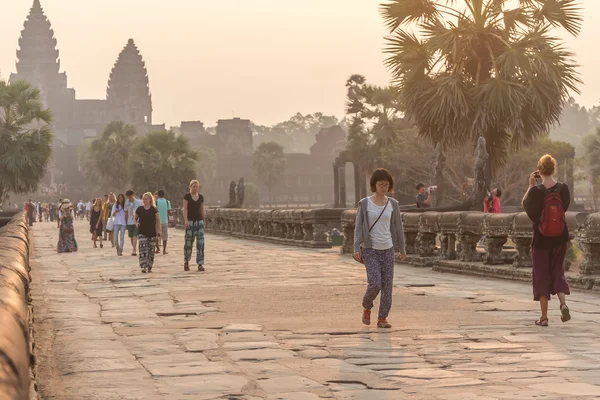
(305, 228)
(460, 232)
(15, 344)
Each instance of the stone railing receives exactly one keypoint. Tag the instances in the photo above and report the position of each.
(460, 232)
(15, 316)
(304, 228)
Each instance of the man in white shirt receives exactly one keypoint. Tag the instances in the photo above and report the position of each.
(88, 209)
(132, 204)
(80, 207)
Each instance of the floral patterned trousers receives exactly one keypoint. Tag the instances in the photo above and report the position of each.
(194, 233)
(146, 251)
(380, 278)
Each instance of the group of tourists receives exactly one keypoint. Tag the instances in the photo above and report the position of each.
(40, 212)
(145, 219)
(379, 233)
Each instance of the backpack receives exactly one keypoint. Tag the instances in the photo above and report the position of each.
(552, 223)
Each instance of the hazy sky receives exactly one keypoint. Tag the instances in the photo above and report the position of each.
(258, 59)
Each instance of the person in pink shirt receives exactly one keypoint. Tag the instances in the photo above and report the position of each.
(494, 199)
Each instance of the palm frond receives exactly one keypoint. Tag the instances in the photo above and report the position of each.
(565, 13)
(398, 12)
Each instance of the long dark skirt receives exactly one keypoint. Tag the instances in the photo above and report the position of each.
(549, 272)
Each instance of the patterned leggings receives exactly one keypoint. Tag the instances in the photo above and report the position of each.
(146, 251)
(380, 277)
(194, 232)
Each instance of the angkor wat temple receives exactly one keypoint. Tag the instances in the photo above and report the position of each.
(127, 95)
(307, 179)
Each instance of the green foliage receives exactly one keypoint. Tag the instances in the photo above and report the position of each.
(206, 165)
(297, 134)
(162, 160)
(25, 138)
(105, 161)
(482, 69)
(269, 164)
(375, 122)
(251, 196)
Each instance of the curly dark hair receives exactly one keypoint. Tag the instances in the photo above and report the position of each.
(381, 175)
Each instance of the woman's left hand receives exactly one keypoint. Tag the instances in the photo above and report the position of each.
(403, 256)
(532, 181)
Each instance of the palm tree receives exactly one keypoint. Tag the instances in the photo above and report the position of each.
(163, 160)
(482, 70)
(25, 138)
(111, 154)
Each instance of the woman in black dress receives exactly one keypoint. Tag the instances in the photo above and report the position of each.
(96, 222)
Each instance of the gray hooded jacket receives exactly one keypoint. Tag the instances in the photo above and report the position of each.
(361, 228)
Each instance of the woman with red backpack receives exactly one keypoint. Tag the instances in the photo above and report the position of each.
(546, 203)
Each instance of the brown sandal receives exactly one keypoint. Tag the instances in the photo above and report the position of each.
(542, 322)
(565, 314)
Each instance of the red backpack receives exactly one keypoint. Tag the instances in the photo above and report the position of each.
(552, 223)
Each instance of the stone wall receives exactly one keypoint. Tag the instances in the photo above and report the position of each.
(15, 315)
(303, 228)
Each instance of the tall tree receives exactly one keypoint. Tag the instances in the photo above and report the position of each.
(591, 161)
(110, 155)
(269, 164)
(297, 134)
(25, 138)
(163, 160)
(482, 70)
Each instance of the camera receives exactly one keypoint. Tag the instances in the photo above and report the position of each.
(432, 188)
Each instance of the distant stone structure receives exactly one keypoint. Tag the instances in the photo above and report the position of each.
(127, 99)
(234, 137)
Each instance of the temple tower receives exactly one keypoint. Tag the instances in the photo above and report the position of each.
(128, 91)
(38, 58)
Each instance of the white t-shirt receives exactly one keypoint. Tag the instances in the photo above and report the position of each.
(119, 218)
(381, 234)
(88, 206)
(130, 207)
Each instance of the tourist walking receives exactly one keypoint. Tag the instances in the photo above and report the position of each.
(193, 215)
(66, 231)
(378, 231)
(147, 220)
(96, 222)
(30, 210)
(108, 219)
(132, 204)
(546, 203)
(88, 209)
(104, 216)
(164, 206)
(119, 223)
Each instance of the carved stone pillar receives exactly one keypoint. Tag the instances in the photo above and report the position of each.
(348, 229)
(468, 247)
(357, 179)
(342, 177)
(494, 247)
(336, 185)
(410, 240)
(320, 236)
(277, 230)
(523, 257)
(425, 244)
(308, 229)
(591, 258)
(448, 250)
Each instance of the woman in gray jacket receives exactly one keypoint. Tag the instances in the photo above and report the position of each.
(377, 233)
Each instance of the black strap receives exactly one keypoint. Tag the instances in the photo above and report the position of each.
(378, 218)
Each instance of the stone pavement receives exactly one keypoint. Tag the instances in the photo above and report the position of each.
(271, 322)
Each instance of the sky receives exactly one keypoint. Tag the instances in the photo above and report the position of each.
(264, 60)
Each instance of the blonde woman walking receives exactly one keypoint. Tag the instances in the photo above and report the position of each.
(147, 220)
(193, 215)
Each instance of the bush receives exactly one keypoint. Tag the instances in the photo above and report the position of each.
(251, 196)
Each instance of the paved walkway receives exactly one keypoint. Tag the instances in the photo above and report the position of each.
(271, 322)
